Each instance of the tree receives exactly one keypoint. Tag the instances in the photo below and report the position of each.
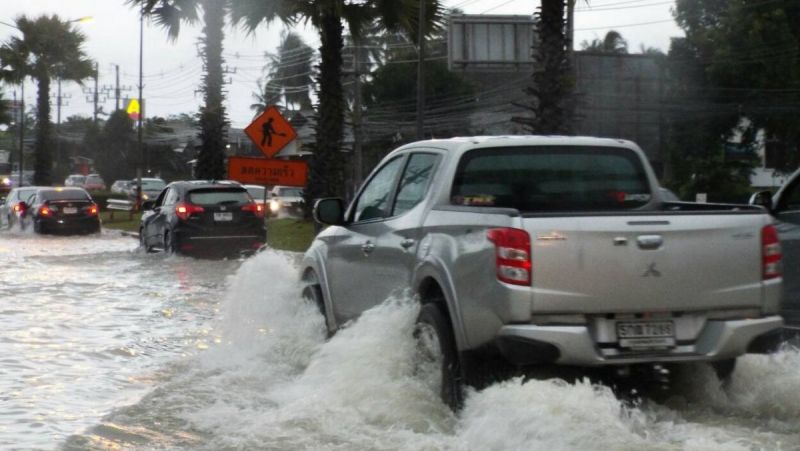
(612, 43)
(49, 47)
(290, 76)
(326, 167)
(116, 154)
(551, 104)
(212, 116)
(749, 52)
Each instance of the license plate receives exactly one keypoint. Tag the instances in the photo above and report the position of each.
(223, 216)
(70, 210)
(649, 334)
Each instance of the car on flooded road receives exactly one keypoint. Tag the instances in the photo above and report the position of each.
(151, 188)
(784, 207)
(286, 200)
(61, 210)
(11, 210)
(203, 217)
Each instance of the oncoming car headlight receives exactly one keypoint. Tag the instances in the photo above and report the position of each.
(274, 205)
(145, 196)
(6, 181)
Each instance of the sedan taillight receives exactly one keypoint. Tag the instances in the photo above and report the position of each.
(45, 211)
(512, 255)
(770, 253)
(92, 210)
(257, 209)
(185, 210)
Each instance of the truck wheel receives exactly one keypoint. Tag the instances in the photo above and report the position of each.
(437, 355)
(724, 368)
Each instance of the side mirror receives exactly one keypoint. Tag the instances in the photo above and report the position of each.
(329, 211)
(762, 199)
(148, 204)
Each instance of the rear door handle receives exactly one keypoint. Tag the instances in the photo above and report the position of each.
(367, 248)
(406, 243)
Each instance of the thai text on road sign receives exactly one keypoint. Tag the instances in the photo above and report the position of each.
(270, 132)
(261, 171)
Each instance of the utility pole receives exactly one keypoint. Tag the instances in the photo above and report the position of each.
(116, 90)
(58, 126)
(96, 77)
(421, 73)
(141, 112)
(21, 129)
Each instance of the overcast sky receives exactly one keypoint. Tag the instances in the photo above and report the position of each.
(173, 69)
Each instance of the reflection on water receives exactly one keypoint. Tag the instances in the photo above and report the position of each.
(88, 324)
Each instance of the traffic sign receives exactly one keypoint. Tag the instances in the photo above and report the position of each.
(261, 171)
(133, 109)
(270, 132)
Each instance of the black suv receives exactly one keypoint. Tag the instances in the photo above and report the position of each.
(203, 216)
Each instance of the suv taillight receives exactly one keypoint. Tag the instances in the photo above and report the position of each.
(770, 253)
(257, 209)
(92, 210)
(184, 210)
(513, 255)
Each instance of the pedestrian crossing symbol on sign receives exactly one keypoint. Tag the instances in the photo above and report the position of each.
(270, 132)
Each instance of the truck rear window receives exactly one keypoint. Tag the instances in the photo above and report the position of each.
(551, 178)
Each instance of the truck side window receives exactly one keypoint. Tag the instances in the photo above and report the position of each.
(415, 181)
(374, 200)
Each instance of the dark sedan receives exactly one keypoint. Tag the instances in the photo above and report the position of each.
(61, 210)
(200, 216)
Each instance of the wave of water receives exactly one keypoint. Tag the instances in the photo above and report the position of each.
(272, 381)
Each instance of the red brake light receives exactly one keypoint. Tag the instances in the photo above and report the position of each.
(44, 211)
(92, 210)
(184, 210)
(770, 253)
(257, 209)
(17, 208)
(513, 255)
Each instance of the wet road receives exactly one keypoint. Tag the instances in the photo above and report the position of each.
(104, 347)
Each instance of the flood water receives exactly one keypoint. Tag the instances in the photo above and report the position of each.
(105, 347)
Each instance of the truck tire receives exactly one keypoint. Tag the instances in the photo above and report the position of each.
(436, 346)
(724, 368)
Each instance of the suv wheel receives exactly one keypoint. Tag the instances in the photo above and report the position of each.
(437, 357)
(170, 246)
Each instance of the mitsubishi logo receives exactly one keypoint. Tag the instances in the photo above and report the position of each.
(652, 271)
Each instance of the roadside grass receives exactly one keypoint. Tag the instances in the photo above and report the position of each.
(290, 234)
(121, 221)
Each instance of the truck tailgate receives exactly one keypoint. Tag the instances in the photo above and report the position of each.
(610, 264)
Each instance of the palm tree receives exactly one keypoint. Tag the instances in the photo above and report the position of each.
(326, 167)
(49, 47)
(4, 117)
(612, 43)
(212, 118)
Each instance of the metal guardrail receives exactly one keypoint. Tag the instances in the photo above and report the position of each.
(120, 205)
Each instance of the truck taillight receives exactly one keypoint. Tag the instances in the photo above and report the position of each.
(770, 253)
(184, 210)
(513, 255)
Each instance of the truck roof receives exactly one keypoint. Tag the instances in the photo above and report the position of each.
(519, 140)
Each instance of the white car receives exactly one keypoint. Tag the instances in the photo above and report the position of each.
(286, 199)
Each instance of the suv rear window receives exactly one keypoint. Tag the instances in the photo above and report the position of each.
(551, 178)
(66, 194)
(218, 196)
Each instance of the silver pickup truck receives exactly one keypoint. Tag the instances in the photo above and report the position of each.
(547, 250)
